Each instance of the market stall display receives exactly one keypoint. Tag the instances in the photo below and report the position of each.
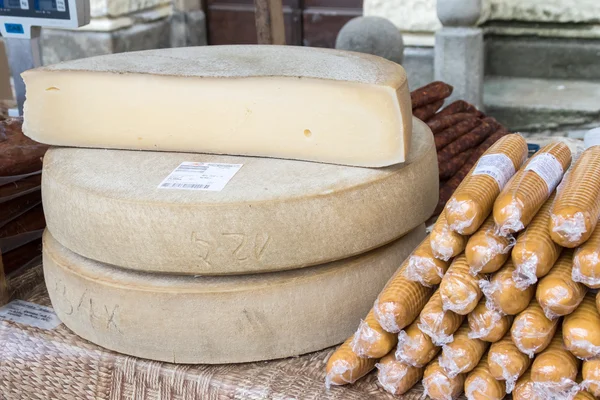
(211, 258)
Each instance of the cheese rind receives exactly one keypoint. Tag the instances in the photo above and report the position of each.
(272, 101)
(213, 320)
(272, 215)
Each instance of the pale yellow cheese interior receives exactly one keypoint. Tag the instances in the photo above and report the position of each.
(358, 117)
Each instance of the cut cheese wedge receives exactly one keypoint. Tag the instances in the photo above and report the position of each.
(209, 320)
(272, 101)
(272, 215)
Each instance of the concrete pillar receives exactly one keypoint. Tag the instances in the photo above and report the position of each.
(459, 49)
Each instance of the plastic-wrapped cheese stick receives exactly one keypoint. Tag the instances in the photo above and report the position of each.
(581, 329)
(438, 324)
(400, 301)
(438, 385)
(463, 353)
(530, 187)
(591, 376)
(344, 366)
(395, 376)
(531, 331)
(481, 385)
(445, 243)
(524, 388)
(557, 294)
(586, 261)
(554, 371)
(583, 395)
(535, 252)
(459, 289)
(371, 340)
(423, 267)
(473, 201)
(506, 362)
(414, 347)
(576, 210)
(488, 324)
(503, 294)
(486, 250)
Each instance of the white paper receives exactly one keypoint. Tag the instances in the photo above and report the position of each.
(31, 314)
(497, 166)
(548, 168)
(200, 176)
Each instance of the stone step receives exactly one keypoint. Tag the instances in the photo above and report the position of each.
(534, 105)
(542, 57)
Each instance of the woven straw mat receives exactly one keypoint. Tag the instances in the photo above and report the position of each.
(56, 364)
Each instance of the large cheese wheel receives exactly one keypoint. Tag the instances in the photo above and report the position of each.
(224, 319)
(273, 214)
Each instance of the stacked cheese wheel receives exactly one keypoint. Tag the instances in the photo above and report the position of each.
(198, 257)
(490, 328)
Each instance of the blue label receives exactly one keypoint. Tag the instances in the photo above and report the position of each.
(14, 28)
(533, 148)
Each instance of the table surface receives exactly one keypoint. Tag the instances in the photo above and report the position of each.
(57, 364)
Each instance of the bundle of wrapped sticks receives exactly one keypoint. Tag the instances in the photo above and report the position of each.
(500, 297)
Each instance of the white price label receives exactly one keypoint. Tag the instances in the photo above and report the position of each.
(497, 166)
(31, 314)
(548, 168)
(200, 176)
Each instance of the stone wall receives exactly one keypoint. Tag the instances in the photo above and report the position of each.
(117, 8)
(128, 25)
(574, 11)
(417, 19)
